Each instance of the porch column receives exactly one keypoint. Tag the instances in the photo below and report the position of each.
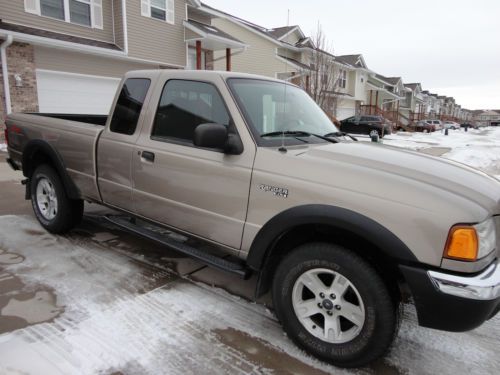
(308, 84)
(376, 102)
(370, 107)
(198, 55)
(228, 59)
(397, 112)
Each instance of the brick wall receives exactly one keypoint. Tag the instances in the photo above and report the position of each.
(21, 61)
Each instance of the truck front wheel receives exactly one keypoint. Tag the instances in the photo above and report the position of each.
(334, 305)
(51, 205)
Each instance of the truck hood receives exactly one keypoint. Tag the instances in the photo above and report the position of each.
(444, 174)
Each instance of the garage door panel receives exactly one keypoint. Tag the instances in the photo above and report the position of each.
(343, 113)
(60, 92)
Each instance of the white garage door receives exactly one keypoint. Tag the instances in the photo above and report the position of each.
(343, 113)
(60, 92)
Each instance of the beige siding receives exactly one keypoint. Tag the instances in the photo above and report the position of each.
(12, 11)
(74, 62)
(118, 22)
(259, 58)
(152, 39)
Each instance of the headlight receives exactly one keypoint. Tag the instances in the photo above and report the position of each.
(486, 234)
(471, 242)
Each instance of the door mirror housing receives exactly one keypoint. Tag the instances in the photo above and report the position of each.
(217, 136)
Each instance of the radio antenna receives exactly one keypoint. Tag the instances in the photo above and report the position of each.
(283, 148)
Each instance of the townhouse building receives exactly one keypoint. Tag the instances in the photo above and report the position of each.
(68, 55)
(490, 117)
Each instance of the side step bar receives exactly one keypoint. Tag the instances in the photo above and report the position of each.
(128, 223)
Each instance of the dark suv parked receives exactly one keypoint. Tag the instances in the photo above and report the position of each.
(365, 125)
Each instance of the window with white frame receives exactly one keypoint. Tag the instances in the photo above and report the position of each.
(342, 78)
(81, 12)
(163, 10)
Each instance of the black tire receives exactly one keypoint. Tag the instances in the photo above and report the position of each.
(381, 315)
(69, 211)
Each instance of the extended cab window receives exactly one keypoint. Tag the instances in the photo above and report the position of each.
(183, 106)
(129, 105)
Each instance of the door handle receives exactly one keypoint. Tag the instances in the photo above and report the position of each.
(148, 156)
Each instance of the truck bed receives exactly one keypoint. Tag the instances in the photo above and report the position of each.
(73, 136)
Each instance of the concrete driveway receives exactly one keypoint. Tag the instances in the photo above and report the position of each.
(100, 301)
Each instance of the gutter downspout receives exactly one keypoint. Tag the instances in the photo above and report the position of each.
(5, 72)
(125, 28)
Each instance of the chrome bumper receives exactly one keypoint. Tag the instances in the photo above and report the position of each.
(483, 287)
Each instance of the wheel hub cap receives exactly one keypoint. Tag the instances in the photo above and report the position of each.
(337, 319)
(46, 198)
(327, 304)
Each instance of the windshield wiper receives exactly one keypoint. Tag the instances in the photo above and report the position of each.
(299, 133)
(341, 134)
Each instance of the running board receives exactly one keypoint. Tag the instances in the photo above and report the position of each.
(128, 223)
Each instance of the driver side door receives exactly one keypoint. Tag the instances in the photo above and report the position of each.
(200, 191)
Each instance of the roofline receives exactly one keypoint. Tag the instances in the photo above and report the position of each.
(297, 27)
(78, 47)
(241, 22)
(289, 62)
(212, 36)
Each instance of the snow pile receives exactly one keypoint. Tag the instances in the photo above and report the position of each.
(478, 148)
(3, 147)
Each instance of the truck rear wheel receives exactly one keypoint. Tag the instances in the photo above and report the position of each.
(334, 305)
(52, 207)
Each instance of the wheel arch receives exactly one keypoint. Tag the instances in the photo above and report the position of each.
(37, 152)
(307, 223)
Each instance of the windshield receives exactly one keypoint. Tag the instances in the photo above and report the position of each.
(271, 107)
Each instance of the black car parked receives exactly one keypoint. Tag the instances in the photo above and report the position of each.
(365, 125)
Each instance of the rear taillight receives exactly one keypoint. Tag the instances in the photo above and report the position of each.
(6, 133)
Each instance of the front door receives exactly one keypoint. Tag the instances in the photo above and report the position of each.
(200, 191)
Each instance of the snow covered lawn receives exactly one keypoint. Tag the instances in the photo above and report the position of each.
(477, 148)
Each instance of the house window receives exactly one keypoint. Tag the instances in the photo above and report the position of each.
(52, 8)
(163, 10)
(343, 79)
(81, 12)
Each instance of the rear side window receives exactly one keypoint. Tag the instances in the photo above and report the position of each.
(129, 105)
(186, 104)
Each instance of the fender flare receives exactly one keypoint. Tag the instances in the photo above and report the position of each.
(56, 161)
(341, 218)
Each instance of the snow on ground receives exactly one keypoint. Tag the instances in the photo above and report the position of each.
(478, 148)
(111, 317)
(3, 147)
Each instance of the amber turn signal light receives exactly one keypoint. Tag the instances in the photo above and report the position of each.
(462, 243)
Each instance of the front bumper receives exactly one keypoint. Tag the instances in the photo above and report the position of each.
(451, 302)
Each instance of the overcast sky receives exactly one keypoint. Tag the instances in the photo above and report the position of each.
(451, 47)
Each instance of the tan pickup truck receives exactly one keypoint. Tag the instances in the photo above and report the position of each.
(250, 166)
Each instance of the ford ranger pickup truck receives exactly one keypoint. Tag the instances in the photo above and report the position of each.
(336, 230)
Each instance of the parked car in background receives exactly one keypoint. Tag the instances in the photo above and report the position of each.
(425, 126)
(365, 125)
(451, 125)
(468, 125)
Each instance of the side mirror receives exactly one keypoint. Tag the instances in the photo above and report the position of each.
(217, 136)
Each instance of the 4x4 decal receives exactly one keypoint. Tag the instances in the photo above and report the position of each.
(277, 191)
